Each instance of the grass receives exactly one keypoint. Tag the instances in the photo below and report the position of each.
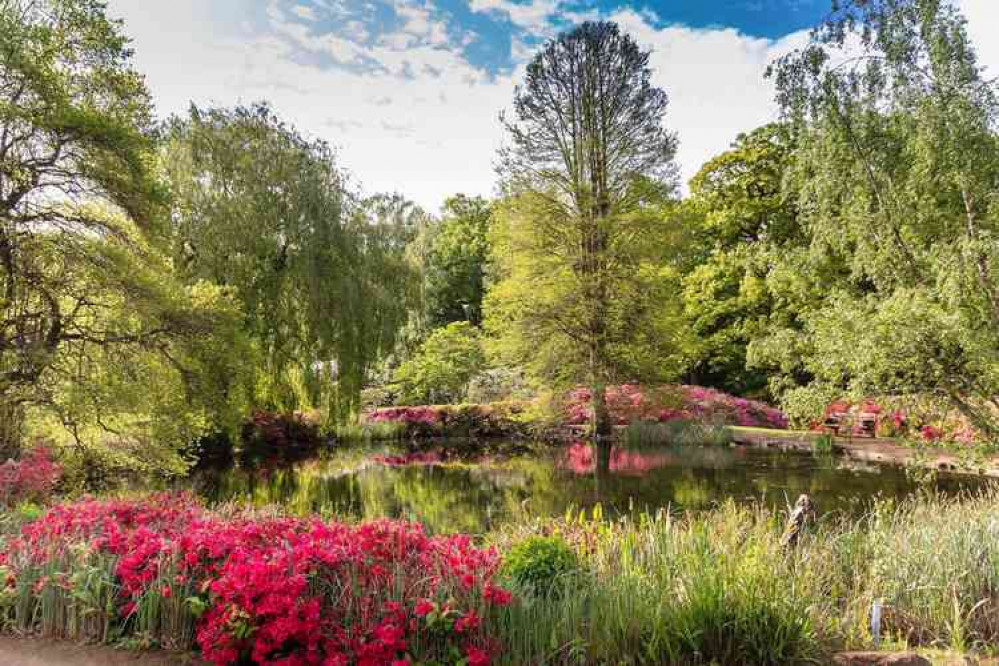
(718, 588)
(362, 433)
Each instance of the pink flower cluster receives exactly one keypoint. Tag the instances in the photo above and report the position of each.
(632, 402)
(422, 414)
(286, 591)
(33, 477)
(490, 419)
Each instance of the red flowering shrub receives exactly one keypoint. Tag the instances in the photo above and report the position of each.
(281, 590)
(631, 402)
(32, 478)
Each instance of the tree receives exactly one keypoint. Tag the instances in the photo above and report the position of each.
(456, 262)
(320, 273)
(896, 172)
(741, 214)
(443, 366)
(587, 164)
(86, 295)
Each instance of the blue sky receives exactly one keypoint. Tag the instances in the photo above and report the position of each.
(484, 31)
(409, 91)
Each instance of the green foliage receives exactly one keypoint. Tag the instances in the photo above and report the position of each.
(455, 265)
(536, 307)
(440, 370)
(717, 587)
(579, 296)
(823, 444)
(322, 279)
(542, 565)
(740, 215)
(894, 175)
(642, 433)
(100, 344)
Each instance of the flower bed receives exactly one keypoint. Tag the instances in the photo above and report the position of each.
(275, 590)
(631, 402)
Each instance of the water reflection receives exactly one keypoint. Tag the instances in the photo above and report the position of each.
(450, 490)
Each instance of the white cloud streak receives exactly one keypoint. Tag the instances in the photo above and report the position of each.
(426, 122)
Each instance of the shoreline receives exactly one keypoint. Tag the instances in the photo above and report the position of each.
(871, 449)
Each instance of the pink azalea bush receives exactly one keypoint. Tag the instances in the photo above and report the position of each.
(632, 402)
(32, 478)
(493, 419)
(276, 590)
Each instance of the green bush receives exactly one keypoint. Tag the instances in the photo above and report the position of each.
(541, 564)
(443, 366)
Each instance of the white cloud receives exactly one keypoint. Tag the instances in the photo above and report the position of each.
(715, 81)
(534, 16)
(425, 123)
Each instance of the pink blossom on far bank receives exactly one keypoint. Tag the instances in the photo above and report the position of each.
(632, 402)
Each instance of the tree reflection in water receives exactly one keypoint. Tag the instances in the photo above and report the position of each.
(450, 490)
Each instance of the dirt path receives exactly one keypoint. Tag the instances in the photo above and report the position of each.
(36, 652)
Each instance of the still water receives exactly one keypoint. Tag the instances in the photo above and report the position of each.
(450, 490)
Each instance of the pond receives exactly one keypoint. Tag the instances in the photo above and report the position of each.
(453, 490)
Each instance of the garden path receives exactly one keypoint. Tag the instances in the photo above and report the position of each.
(36, 652)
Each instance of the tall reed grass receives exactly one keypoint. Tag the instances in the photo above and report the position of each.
(717, 588)
(640, 433)
(375, 431)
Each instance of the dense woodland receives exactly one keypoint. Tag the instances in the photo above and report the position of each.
(165, 278)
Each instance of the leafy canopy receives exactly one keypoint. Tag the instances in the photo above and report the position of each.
(442, 367)
(583, 292)
(88, 302)
(895, 175)
(320, 274)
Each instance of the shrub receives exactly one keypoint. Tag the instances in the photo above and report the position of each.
(33, 478)
(630, 402)
(913, 417)
(443, 366)
(541, 564)
(500, 419)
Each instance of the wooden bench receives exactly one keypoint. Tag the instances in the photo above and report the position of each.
(867, 423)
(835, 421)
(861, 423)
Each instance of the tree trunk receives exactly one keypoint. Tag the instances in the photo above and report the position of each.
(11, 430)
(600, 425)
(602, 468)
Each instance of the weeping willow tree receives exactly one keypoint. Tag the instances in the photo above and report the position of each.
(322, 277)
